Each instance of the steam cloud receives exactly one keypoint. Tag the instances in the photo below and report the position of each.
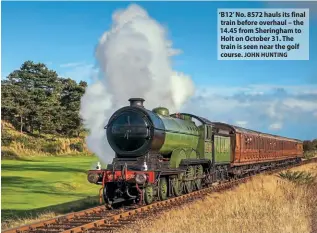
(134, 58)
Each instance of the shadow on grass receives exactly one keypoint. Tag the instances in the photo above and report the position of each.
(27, 186)
(67, 207)
(44, 167)
(10, 155)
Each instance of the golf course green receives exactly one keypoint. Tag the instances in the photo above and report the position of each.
(38, 184)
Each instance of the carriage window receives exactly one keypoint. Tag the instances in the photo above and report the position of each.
(268, 144)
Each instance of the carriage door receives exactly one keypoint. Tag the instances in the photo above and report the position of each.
(208, 142)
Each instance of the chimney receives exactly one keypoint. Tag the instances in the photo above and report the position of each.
(136, 102)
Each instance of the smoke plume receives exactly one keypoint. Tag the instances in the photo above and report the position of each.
(134, 59)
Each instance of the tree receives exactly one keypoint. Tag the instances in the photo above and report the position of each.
(35, 98)
(310, 145)
(16, 102)
(70, 102)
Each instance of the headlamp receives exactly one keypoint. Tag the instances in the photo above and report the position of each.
(93, 178)
(140, 178)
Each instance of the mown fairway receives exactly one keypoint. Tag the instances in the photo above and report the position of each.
(47, 183)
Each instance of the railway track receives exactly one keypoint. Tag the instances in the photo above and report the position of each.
(100, 219)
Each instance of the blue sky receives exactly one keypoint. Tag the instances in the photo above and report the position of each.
(64, 35)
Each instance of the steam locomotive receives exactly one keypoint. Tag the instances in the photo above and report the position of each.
(158, 155)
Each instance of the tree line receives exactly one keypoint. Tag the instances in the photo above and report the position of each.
(310, 145)
(36, 100)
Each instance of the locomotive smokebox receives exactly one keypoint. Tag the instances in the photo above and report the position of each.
(136, 102)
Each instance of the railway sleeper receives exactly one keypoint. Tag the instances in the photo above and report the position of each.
(44, 231)
(59, 226)
(112, 225)
(55, 229)
(101, 230)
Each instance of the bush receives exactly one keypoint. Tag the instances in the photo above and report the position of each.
(6, 141)
(298, 177)
(310, 154)
(52, 148)
(78, 146)
(6, 138)
(28, 143)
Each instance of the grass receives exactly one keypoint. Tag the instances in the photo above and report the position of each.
(43, 187)
(265, 204)
(310, 154)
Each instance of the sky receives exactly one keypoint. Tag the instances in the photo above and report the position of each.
(278, 97)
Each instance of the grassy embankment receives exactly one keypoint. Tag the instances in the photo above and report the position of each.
(16, 145)
(265, 204)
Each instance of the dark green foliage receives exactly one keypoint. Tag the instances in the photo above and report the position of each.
(310, 148)
(70, 105)
(6, 138)
(298, 177)
(310, 154)
(52, 148)
(310, 145)
(77, 146)
(35, 99)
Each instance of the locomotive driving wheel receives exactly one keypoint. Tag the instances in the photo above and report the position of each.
(189, 184)
(148, 194)
(177, 187)
(162, 191)
(199, 173)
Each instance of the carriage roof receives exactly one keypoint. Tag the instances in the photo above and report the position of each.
(235, 129)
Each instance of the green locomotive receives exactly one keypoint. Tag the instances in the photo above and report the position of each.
(158, 155)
